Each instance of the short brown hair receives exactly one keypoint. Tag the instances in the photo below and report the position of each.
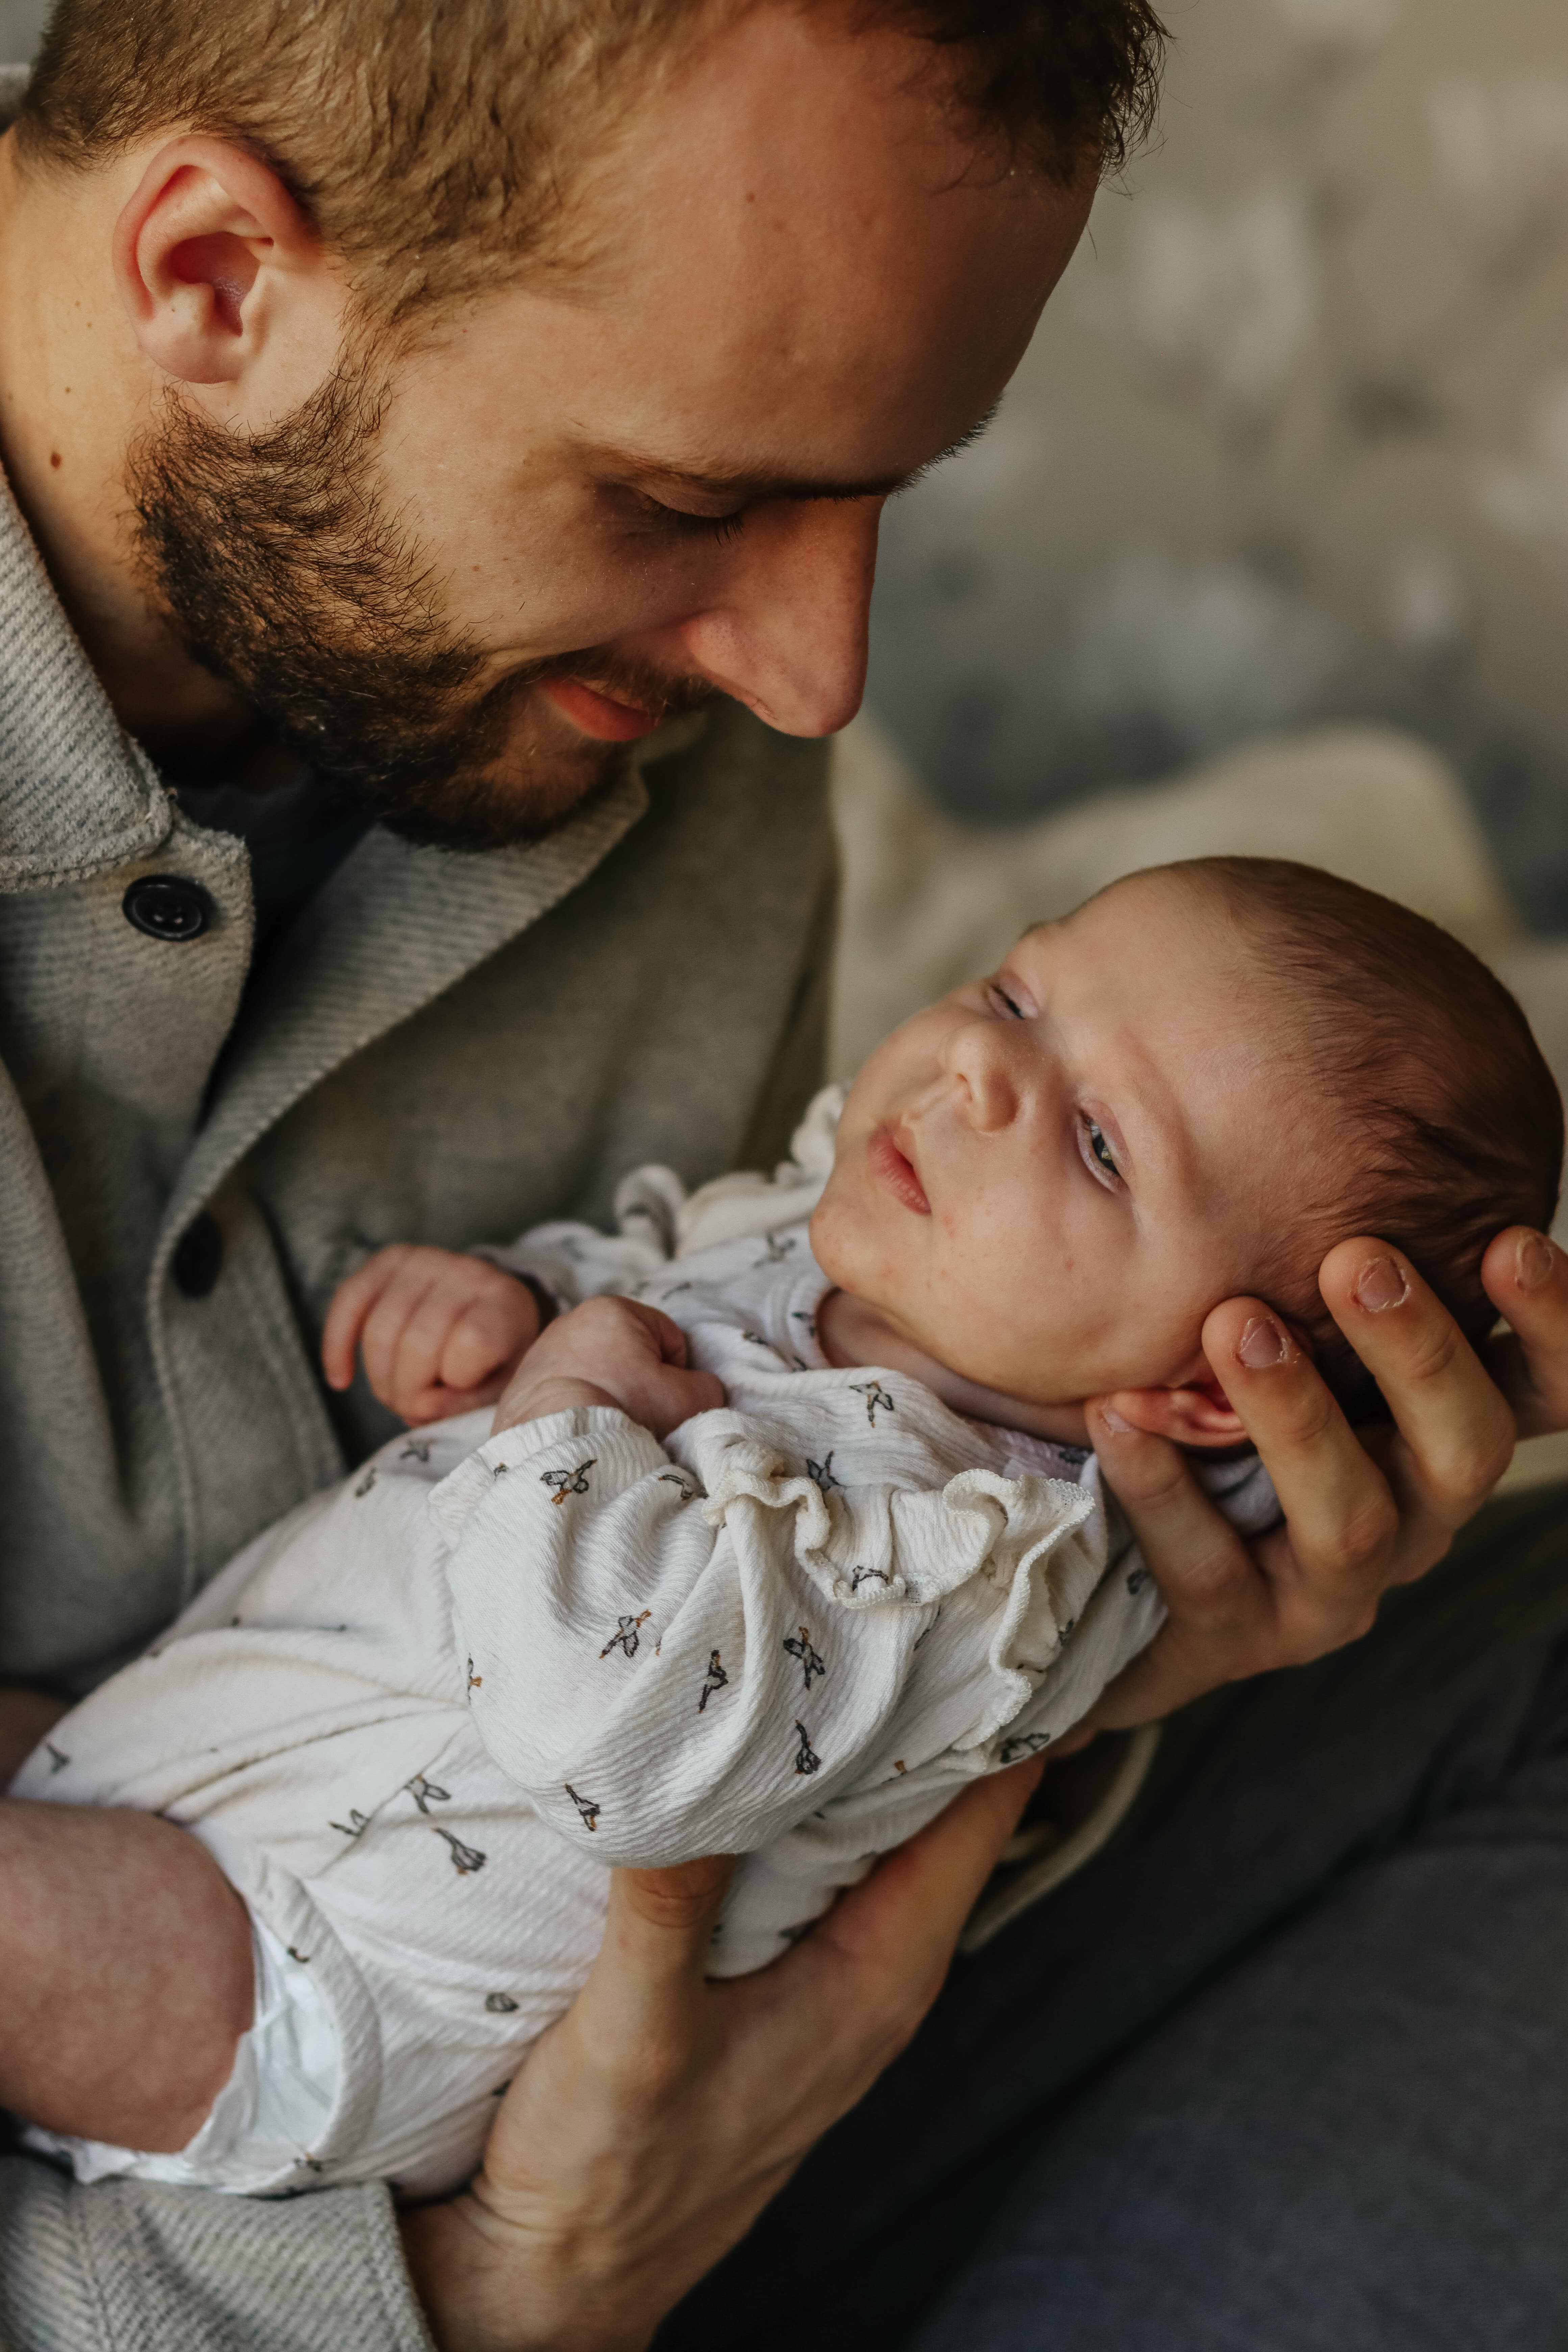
(1452, 1121)
(406, 129)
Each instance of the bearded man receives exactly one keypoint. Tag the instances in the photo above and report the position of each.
(445, 452)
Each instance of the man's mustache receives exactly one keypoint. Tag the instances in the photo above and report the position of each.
(639, 685)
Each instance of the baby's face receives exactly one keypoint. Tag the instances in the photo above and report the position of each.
(1047, 1181)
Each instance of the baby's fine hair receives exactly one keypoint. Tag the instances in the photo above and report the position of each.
(1448, 1122)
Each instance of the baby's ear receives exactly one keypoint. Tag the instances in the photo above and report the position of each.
(1196, 1415)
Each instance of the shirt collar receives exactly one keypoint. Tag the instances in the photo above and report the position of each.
(78, 797)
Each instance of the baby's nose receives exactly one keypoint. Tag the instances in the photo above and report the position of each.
(982, 1069)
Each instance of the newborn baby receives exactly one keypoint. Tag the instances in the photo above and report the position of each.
(773, 1550)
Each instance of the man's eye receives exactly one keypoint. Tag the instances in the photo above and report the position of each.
(722, 528)
(1097, 1152)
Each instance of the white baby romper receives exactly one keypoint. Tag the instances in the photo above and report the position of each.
(417, 1721)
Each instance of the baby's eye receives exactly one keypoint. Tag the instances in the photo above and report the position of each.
(1098, 1156)
(1002, 1002)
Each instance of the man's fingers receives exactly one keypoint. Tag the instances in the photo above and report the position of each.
(1458, 1431)
(919, 1896)
(1222, 1614)
(1342, 1519)
(669, 1913)
(1198, 1560)
(1526, 1279)
(656, 1934)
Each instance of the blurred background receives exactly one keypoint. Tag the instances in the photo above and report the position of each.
(1291, 442)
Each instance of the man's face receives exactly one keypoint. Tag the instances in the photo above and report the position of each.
(460, 577)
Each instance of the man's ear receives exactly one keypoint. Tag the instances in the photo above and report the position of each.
(207, 254)
(1191, 1416)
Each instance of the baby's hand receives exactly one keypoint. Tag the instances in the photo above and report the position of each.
(440, 1333)
(611, 1352)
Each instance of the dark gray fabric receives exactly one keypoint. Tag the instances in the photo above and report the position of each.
(296, 836)
(1312, 1844)
(1355, 2141)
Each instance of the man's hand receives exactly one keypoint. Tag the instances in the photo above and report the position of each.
(1363, 1509)
(611, 1352)
(440, 1333)
(649, 2128)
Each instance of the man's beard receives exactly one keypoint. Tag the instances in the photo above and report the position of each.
(277, 562)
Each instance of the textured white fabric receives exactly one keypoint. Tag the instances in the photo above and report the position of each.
(278, 2099)
(417, 1721)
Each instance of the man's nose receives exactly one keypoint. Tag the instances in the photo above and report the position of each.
(789, 638)
(977, 1061)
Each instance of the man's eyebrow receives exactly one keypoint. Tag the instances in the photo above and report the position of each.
(753, 487)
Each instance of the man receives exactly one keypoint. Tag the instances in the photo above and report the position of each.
(463, 431)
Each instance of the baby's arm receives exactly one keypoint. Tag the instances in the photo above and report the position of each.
(125, 1974)
(673, 1664)
(441, 1332)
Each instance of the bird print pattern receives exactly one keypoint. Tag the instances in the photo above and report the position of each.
(737, 1639)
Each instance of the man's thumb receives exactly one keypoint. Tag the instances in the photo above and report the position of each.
(660, 1923)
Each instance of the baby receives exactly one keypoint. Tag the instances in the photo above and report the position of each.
(788, 1528)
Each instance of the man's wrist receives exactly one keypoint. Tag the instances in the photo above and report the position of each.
(485, 2285)
(453, 2269)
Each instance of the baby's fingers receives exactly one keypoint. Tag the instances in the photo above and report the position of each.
(666, 1395)
(346, 1316)
(667, 1333)
(488, 1337)
(438, 1402)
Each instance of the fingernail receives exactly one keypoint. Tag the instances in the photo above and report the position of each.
(1114, 1423)
(1533, 1262)
(1262, 1344)
(1382, 1285)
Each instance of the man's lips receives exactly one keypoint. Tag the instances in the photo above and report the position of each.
(595, 714)
(895, 1171)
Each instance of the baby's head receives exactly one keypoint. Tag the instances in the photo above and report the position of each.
(1188, 1090)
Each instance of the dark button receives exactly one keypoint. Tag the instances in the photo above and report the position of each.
(167, 907)
(198, 1257)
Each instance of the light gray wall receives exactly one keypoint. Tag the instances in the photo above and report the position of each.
(21, 22)
(1291, 442)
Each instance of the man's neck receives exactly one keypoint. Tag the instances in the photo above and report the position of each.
(853, 1332)
(74, 391)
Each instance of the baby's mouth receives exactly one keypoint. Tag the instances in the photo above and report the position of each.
(895, 1171)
